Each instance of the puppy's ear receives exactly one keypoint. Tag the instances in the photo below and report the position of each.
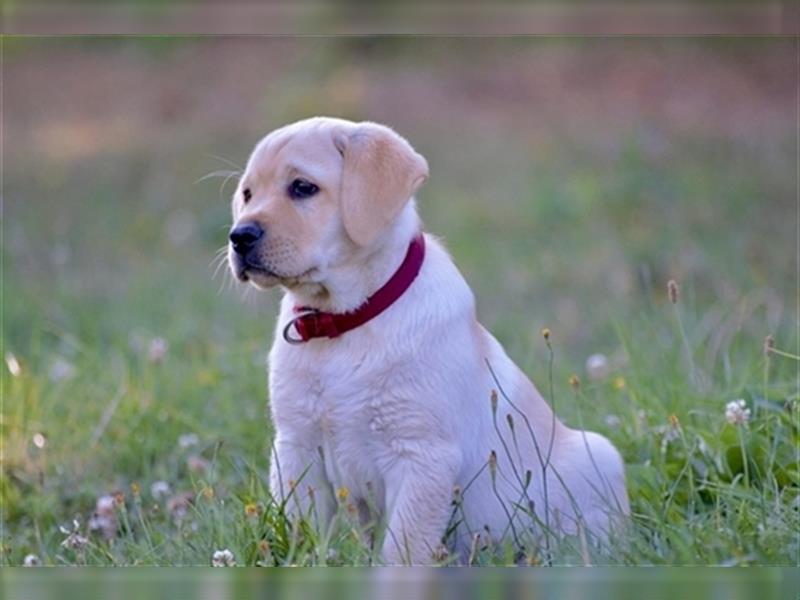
(381, 171)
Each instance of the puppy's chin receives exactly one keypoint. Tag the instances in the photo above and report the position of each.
(263, 279)
(258, 277)
(260, 280)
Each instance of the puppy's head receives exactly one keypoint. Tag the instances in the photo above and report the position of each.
(313, 193)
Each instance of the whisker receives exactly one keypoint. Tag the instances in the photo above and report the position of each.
(220, 264)
(223, 173)
(215, 265)
(226, 180)
(223, 283)
(227, 282)
(226, 161)
(217, 254)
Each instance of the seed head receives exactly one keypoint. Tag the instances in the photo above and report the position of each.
(510, 420)
(769, 344)
(493, 400)
(473, 548)
(493, 464)
(342, 494)
(546, 334)
(673, 292)
(441, 553)
(575, 382)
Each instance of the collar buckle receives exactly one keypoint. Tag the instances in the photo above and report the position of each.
(309, 325)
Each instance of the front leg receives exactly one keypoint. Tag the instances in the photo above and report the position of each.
(419, 490)
(297, 479)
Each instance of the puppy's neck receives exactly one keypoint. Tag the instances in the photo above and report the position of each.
(346, 287)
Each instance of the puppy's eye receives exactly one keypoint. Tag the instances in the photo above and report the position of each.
(246, 195)
(300, 188)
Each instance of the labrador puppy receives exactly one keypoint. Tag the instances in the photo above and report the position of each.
(382, 382)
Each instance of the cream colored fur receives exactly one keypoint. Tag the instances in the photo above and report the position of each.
(399, 411)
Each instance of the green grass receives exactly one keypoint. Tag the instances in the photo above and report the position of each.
(107, 250)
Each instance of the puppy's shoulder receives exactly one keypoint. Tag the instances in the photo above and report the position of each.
(441, 284)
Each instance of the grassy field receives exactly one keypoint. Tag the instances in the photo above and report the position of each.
(571, 179)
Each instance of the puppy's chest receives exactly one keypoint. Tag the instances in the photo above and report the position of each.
(347, 413)
(337, 402)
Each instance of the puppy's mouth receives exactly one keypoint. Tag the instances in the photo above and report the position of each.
(261, 276)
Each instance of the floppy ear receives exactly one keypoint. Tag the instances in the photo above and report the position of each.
(381, 171)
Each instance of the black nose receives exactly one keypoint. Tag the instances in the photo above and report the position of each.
(245, 236)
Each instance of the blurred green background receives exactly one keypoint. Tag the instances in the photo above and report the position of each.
(570, 179)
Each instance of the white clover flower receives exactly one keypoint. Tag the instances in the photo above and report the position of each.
(737, 413)
(104, 518)
(187, 440)
(613, 420)
(197, 464)
(61, 370)
(178, 505)
(223, 558)
(105, 504)
(74, 540)
(31, 560)
(159, 489)
(157, 349)
(597, 367)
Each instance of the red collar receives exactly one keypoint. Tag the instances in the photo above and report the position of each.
(313, 323)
